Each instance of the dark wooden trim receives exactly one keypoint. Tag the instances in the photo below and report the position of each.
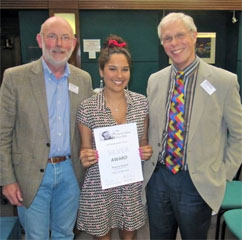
(124, 4)
(24, 4)
(161, 4)
(63, 4)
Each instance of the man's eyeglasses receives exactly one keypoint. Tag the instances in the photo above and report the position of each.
(179, 36)
(53, 37)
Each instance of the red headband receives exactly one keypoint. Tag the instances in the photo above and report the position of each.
(113, 43)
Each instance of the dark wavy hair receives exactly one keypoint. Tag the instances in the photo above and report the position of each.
(109, 49)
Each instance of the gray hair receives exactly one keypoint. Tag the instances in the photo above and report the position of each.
(172, 17)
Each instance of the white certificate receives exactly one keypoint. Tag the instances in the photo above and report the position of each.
(119, 160)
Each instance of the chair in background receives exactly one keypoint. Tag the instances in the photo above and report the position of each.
(10, 228)
(232, 200)
(233, 221)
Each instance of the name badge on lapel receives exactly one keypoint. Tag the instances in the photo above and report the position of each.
(73, 88)
(208, 87)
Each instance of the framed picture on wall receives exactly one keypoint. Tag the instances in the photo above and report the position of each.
(206, 45)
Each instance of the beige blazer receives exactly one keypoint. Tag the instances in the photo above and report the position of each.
(212, 156)
(24, 126)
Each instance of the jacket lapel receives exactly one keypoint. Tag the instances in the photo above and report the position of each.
(163, 93)
(200, 99)
(39, 90)
(74, 100)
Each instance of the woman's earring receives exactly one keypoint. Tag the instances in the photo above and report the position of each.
(101, 84)
(127, 87)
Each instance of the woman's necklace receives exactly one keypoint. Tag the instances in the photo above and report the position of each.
(113, 107)
(117, 108)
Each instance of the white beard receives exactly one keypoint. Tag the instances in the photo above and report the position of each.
(49, 58)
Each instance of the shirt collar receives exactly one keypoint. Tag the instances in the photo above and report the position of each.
(189, 69)
(50, 73)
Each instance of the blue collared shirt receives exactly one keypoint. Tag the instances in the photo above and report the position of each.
(58, 111)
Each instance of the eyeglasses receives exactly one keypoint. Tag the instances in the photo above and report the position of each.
(179, 36)
(53, 37)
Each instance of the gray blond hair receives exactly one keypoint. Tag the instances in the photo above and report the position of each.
(172, 17)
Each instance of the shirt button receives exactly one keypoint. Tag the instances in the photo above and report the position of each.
(59, 134)
(41, 170)
(48, 144)
(158, 144)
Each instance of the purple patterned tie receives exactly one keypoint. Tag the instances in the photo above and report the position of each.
(175, 140)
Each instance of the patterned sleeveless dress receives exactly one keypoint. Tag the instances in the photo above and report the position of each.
(118, 207)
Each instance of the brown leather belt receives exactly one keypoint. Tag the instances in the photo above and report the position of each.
(58, 159)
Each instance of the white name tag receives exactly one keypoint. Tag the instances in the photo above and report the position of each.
(73, 88)
(208, 87)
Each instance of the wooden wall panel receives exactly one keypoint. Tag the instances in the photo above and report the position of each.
(162, 4)
(63, 4)
(128, 4)
(24, 4)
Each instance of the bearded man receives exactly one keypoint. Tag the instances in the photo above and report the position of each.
(39, 140)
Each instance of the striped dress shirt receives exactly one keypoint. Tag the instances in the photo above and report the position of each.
(190, 76)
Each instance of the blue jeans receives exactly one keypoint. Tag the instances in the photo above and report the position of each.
(173, 202)
(54, 208)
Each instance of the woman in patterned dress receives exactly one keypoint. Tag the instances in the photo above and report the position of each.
(119, 207)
